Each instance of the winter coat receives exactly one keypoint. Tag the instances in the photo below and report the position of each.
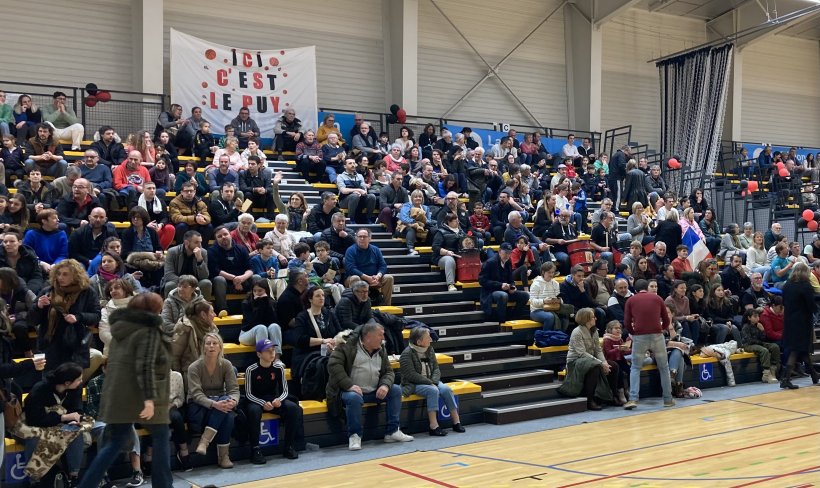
(28, 268)
(173, 310)
(181, 211)
(70, 342)
(339, 367)
(186, 347)
(798, 319)
(352, 313)
(411, 370)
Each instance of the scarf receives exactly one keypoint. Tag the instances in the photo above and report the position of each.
(613, 337)
(285, 242)
(157, 205)
(200, 328)
(62, 300)
(421, 352)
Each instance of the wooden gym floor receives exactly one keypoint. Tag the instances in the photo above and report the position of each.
(764, 440)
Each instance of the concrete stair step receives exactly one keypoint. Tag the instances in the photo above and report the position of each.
(495, 366)
(414, 276)
(432, 316)
(512, 380)
(433, 296)
(418, 287)
(474, 340)
(534, 410)
(488, 353)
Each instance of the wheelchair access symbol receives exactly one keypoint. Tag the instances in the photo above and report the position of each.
(706, 372)
(15, 466)
(443, 411)
(269, 433)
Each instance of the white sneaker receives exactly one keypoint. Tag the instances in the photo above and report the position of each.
(398, 436)
(452, 288)
(412, 252)
(354, 443)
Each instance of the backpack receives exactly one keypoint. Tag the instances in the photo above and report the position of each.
(546, 338)
(314, 377)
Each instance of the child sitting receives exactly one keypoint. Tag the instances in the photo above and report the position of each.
(479, 223)
(681, 264)
(327, 268)
(161, 177)
(204, 145)
(677, 351)
(600, 190)
(302, 261)
(13, 158)
(253, 150)
(618, 350)
(229, 132)
(522, 259)
(754, 340)
(772, 319)
(264, 264)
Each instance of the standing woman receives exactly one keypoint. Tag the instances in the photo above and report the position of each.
(798, 331)
(588, 371)
(213, 393)
(421, 375)
(63, 313)
(140, 356)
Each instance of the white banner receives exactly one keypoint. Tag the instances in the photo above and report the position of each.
(222, 79)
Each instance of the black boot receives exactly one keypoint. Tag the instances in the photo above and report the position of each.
(785, 378)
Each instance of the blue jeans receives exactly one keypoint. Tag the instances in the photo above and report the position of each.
(115, 437)
(691, 330)
(677, 363)
(547, 319)
(261, 331)
(500, 299)
(73, 453)
(432, 393)
(607, 256)
(353, 403)
(331, 173)
(654, 343)
(210, 417)
(722, 332)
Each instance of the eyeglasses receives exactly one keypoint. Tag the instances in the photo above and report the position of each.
(362, 236)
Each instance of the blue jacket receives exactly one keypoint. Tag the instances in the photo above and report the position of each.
(404, 214)
(368, 261)
(50, 247)
(260, 267)
(493, 275)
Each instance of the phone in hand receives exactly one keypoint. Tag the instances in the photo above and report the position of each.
(70, 428)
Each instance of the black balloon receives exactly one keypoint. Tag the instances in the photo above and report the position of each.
(817, 215)
(392, 119)
(801, 222)
(744, 184)
(394, 108)
(91, 89)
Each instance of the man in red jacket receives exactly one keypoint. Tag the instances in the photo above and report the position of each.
(645, 318)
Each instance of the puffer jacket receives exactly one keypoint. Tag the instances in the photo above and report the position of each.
(181, 211)
(173, 310)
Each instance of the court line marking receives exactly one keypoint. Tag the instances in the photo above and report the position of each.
(649, 468)
(779, 476)
(416, 475)
(763, 405)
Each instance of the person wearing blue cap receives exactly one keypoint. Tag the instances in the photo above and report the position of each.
(266, 389)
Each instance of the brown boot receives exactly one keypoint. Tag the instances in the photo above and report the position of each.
(204, 441)
(224, 458)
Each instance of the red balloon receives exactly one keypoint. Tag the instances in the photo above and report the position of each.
(90, 101)
(753, 185)
(104, 96)
(780, 165)
(783, 172)
(812, 225)
(808, 215)
(673, 162)
(401, 115)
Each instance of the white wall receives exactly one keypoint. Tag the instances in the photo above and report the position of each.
(781, 92)
(448, 68)
(347, 35)
(630, 86)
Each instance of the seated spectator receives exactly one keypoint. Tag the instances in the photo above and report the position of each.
(144, 145)
(421, 375)
(349, 390)
(45, 153)
(755, 296)
(141, 247)
(367, 144)
(327, 270)
(288, 132)
(188, 258)
(545, 299)
(600, 286)
(730, 243)
(204, 144)
(327, 128)
(722, 311)
(772, 319)
(112, 267)
(616, 305)
(446, 243)
(111, 244)
(190, 334)
(734, 277)
(354, 309)
(189, 173)
(524, 262)
(296, 209)
(589, 372)
(515, 229)
(309, 159)
(60, 387)
(499, 215)
(365, 262)
(130, 177)
(171, 121)
(498, 287)
(711, 230)
(755, 341)
(161, 176)
(290, 303)
(13, 160)
(226, 207)
(22, 259)
(189, 212)
(315, 329)
(86, 242)
(156, 212)
(259, 317)
(658, 258)
(243, 235)
(179, 299)
(666, 279)
(283, 241)
(117, 293)
(17, 214)
(245, 127)
(61, 336)
(266, 390)
(213, 394)
(233, 156)
(49, 242)
(337, 236)
(558, 236)
(109, 150)
(63, 184)
(781, 265)
(64, 121)
(221, 174)
(639, 224)
(414, 221)
(255, 183)
(74, 209)
(26, 118)
(99, 175)
(254, 150)
(681, 263)
(690, 322)
(263, 263)
(167, 149)
(333, 155)
(603, 239)
(319, 217)
(227, 263)
(354, 195)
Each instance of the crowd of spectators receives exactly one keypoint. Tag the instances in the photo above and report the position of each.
(310, 282)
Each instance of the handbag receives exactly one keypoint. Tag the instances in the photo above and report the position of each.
(12, 408)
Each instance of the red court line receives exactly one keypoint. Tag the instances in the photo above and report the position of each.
(649, 468)
(419, 476)
(784, 475)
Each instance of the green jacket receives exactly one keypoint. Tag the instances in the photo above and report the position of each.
(410, 369)
(6, 114)
(61, 120)
(139, 368)
(339, 366)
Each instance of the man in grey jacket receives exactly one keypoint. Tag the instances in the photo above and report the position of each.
(188, 258)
